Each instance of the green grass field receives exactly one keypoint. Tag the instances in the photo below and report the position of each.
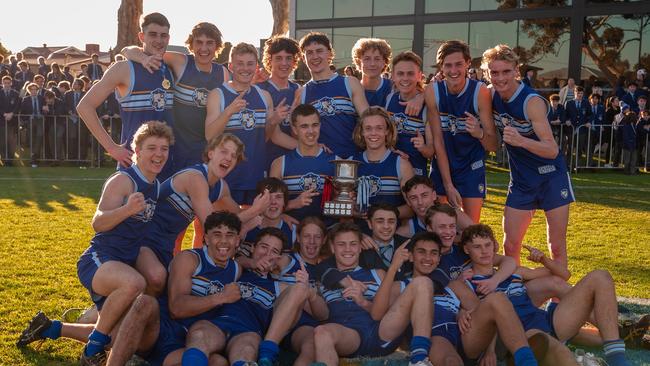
(45, 225)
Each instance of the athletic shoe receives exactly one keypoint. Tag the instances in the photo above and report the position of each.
(34, 331)
(424, 362)
(98, 359)
(588, 359)
(632, 332)
(538, 343)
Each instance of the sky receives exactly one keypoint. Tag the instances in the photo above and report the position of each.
(77, 22)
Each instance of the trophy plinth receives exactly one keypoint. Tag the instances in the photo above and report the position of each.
(344, 182)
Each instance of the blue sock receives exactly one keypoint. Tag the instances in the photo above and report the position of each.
(268, 350)
(96, 342)
(194, 356)
(615, 353)
(525, 357)
(54, 331)
(419, 348)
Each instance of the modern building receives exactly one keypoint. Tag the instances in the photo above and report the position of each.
(550, 33)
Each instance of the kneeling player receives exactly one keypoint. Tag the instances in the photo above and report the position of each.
(595, 292)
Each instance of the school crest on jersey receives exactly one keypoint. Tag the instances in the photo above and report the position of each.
(247, 118)
(247, 290)
(147, 214)
(326, 106)
(400, 120)
(564, 193)
(452, 124)
(481, 188)
(215, 287)
(375, 184)
(311, 181)
(158, 99)
(200, 97)
(503, 120)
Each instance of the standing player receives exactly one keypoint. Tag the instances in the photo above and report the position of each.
(414, 135)
(280, 59)
(372, 56)
(246, 111)
(305, 169)
(460, 113)
(538, 175)
(143, 96)
(125, 210)
(338, 99)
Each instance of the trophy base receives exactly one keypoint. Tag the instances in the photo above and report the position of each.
(338, 209)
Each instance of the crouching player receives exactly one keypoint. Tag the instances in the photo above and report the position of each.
(463, 327)
(353, 328)
(106, 268)
(593, 293)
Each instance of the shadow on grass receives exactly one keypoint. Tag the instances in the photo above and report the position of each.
(42, 356)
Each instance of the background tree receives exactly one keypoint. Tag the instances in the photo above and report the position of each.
(280, 10)
(3, 51)
(128, 23)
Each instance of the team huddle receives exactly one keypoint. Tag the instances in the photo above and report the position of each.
(247, 160)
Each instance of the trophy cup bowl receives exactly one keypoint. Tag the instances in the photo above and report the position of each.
(344, 182)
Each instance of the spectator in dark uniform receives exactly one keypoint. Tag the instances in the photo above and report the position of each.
(84, 70)
(67, 75)
(4, 69)
(56, 74)
(54, 127)
(13, 66)
(577, 112)
(612, 109)
(631, 96)
(43, 68)
(628, 125)
(32, 108)
(77, 131)
(9, 108)
(23, 77)
(557, 118)
(596, 121)
(40, 81)
(95, 70)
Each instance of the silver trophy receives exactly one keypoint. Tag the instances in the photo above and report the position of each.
(344, 183)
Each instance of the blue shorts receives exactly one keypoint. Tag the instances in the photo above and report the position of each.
(87, 266)
(233, 327)
(171, 337)
(305, 320)
(540, 320)
(164, 256)
(471, 184)
(450, 332)
(371, 344)
(553, 193)
(243, 196)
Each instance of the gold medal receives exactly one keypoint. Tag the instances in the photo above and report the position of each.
(166, 84)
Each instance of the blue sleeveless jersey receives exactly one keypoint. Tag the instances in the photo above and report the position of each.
(175, 211)
(277, 94)
(288, 230)
(379, 96)
(209, 279)
(384, 178)
(345, 311)
(333, 100)
(146, 100)
(416, 225)
(248, 124)
(286, 274)
(190, 100)
(302, 173)
(255, 308)
(407, 128)
(445, 307)
(464, 152)
(527, 170)
(123, 241)
(451, 265)
(517, 293)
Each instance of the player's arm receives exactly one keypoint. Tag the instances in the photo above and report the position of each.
(428, 150)
(217, 116)
(468, 299)
(315, 305)
(225, 201)
(385, 294)
(433, 118)
(507, 266)
(274, 116)
(546, 146)
(550, 267)
(358, 95)
(111, 209)
(489, 139)
(182, 304)
(404, 229)
(175, 60)
(197, 189)
(117, 76)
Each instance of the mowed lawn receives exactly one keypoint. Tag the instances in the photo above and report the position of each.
(45, 225)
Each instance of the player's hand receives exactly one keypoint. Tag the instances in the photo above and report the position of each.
(464, 320)
(237, 104)
(418, 141)
(401, 154)
(512, 137)
(261, 201)
(486, 286)
(349, 282)
(230, 293)
(453, 197)
(355, 293)
(535, 254)
(368, 243)
(121, 154)
(400, 256)
(267, 263)
(261, 75)
(280, 113)
(306, 197)
(302, 276)
(290, 220)
(46, 109)
(473, 126)
(414, 106)
(489, 358)
(152, 63)
(135, 203)
(326, 148)
(467, 274)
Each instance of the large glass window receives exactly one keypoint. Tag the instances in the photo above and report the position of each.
(544, 44)
(544, 3)
(484, 35)
(645, 44)
(400, 37)
(493, 4)
(393, 7)
(352, 8)
(313, 9)
(437, 6)
(435, 35)
(344, 39)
